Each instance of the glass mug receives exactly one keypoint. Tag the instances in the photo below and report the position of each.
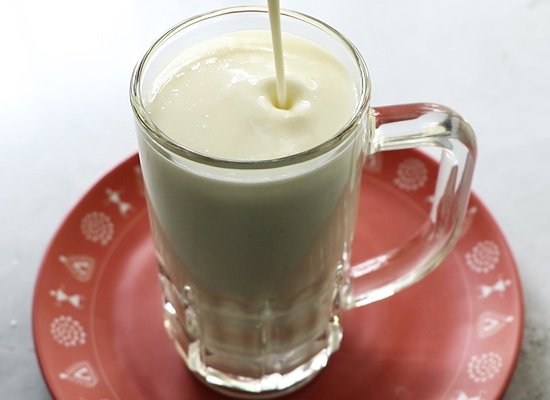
(256, 272)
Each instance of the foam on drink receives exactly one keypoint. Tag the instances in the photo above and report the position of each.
(219, 97)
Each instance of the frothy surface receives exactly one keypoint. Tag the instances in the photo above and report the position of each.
(218, 97)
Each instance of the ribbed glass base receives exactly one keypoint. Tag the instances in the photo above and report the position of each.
(200, 359)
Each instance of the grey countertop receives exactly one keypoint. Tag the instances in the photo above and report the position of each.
(65, 121)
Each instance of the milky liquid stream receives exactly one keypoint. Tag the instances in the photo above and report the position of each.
(276, 37)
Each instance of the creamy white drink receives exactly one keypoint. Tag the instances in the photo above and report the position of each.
(250, 259)
(218, 98)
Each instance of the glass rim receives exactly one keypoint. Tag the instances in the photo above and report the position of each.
(161, 139)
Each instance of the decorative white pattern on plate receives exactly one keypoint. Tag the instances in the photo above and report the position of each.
(412, 174)
(80, 267)
(498, 287)
(468, 221)
(483, 257)
(61, 297)
(81, 373)
(67, 332)
(114, 197)
(97, 227)
(373, 163)
(464, 396)
(484, 367)
(491, 322)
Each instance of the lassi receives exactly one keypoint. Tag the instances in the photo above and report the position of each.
(252, 259)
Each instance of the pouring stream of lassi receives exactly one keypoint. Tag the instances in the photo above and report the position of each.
(276, 37)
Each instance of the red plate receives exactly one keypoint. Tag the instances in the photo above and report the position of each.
(453, 336)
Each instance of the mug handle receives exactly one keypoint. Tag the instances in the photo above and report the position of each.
(409, 126)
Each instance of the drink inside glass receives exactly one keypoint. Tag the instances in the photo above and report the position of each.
(253, 203)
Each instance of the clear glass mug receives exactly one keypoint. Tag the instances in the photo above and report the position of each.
(253, 257)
